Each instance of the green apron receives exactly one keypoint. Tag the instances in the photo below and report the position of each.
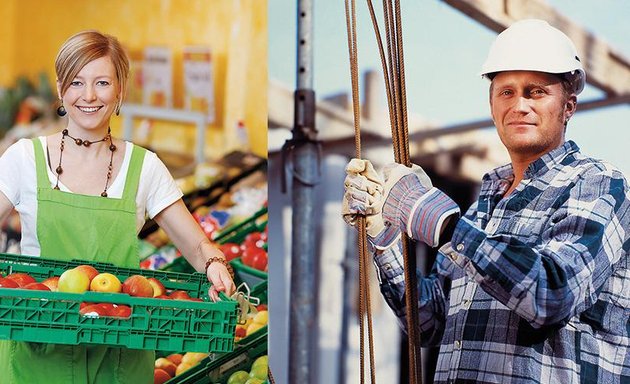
(73, 226)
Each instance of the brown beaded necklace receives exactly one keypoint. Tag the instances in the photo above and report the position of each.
(87, 143)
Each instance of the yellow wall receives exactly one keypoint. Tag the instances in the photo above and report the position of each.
(35, 30)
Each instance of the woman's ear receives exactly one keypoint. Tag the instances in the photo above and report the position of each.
(58, 89)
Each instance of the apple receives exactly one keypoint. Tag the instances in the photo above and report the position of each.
(261, 360)
(253, 327)
(21, 279)
(162, 297)
(158, 287)
(36, 287)
(195, 299)
(193, 357)
(262, 317)
(240, 332)
(105, 282)
(176, 358)
(238, 377)
(167, 365)
(8, 283)
(259, 372)
(52, 283)
(183, 367)
(137, 285)
(94, 310)
(89, 270)
(121, 311)
(179, 295)
(160, 376)
(261, 307)
(73, 281)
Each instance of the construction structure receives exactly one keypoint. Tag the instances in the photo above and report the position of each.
(455, 156)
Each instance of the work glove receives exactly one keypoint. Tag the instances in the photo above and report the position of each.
(363, 196)
(413, 204)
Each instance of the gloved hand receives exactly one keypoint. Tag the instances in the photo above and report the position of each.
(364, 196)
(413, 204)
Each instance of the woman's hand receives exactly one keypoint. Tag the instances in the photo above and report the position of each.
(221, 280)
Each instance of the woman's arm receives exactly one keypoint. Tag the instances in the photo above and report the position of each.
(5, 207)
(188, 237)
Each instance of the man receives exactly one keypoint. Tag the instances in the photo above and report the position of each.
(533, 283)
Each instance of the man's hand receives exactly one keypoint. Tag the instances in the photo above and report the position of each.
(363, 196)
(413, 205)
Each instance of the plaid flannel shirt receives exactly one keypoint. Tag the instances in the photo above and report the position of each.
(532, 288)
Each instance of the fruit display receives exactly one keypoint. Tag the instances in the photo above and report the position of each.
(199, 368)
(78, 302)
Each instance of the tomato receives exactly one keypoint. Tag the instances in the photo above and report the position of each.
(249, 253)
(230, 250)
(259, 261)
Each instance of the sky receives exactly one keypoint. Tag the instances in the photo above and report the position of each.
(444, 50)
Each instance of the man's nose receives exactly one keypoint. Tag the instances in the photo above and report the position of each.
(522, 104)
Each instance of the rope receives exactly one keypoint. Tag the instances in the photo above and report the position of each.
(394, 76)
(364, 287)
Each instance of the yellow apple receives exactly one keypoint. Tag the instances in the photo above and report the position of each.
(73, 281)
(105, 282)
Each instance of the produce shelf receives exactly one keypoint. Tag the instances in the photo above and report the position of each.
(217, 368)
(164, 324)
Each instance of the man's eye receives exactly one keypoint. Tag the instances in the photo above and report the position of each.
(505, 92)
(538, 92)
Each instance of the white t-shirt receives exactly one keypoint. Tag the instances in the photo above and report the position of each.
(18, 181)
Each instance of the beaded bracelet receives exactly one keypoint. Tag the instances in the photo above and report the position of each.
(222, 261)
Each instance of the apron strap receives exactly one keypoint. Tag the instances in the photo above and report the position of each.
(133, 173)
(40, 165)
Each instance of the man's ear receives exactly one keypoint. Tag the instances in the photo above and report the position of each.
(570, 107)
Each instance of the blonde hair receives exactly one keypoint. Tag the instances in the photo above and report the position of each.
(84, 47)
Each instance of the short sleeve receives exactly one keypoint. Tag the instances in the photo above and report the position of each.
(11, 162)
(161, 188)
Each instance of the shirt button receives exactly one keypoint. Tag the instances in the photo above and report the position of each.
(460, 247)
(466, 303)
(453, 256)
(458, 344)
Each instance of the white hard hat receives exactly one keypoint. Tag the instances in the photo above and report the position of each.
(534, 45)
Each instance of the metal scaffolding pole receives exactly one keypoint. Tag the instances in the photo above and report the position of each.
(305, 156)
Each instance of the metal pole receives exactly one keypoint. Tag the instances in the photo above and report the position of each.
(303, 317)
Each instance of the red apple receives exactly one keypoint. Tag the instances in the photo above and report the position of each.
(261, 307)
(21, 279)
(89, 270)
(36, 287)
(166, 364)
(158, 287)
(105, 282)
(107, 308)
(94, 310)
(176, 358)
(162, 297)
(8, 283)
(195, 299)
(160, 376)
(74, 281)
(121, 311)
(137, 285)
(52, 283)
(240, 332)
(179, 295)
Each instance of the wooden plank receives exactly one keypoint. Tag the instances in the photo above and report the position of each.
(606, 68)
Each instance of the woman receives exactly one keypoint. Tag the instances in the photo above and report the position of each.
(83, 194)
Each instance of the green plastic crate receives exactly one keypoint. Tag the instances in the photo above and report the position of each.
(252, 276)
(53, 317)
(217, 368)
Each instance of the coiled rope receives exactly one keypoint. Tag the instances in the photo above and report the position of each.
(394, 76)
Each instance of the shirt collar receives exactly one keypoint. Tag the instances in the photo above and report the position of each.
(505, 173)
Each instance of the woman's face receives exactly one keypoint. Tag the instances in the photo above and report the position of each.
(92, 96)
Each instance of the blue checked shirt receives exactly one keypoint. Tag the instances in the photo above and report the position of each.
(532, 288)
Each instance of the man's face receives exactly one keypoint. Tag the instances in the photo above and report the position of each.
(529, 110)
